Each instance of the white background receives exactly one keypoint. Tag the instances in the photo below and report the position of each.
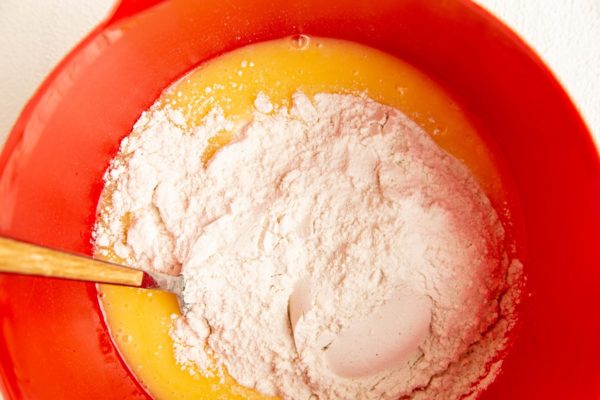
(36, 34)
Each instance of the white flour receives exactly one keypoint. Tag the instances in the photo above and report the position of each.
(340, 191)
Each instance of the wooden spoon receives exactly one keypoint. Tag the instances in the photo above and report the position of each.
(19, 257)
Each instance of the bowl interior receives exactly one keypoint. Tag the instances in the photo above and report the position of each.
(54, 343)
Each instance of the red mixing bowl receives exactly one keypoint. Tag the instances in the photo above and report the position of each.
(54, 343)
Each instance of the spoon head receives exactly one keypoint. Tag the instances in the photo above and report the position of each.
(166, 282)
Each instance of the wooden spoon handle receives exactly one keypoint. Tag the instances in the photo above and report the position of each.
(25, 258)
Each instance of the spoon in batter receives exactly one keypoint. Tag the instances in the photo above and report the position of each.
(19, 257)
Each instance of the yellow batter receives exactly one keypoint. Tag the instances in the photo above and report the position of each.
(140, 320)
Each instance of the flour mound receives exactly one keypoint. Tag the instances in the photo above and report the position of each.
(338, 189)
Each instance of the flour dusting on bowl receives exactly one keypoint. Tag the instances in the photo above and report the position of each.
(336, 190)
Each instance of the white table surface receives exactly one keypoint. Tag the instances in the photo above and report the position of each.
(36, 34)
